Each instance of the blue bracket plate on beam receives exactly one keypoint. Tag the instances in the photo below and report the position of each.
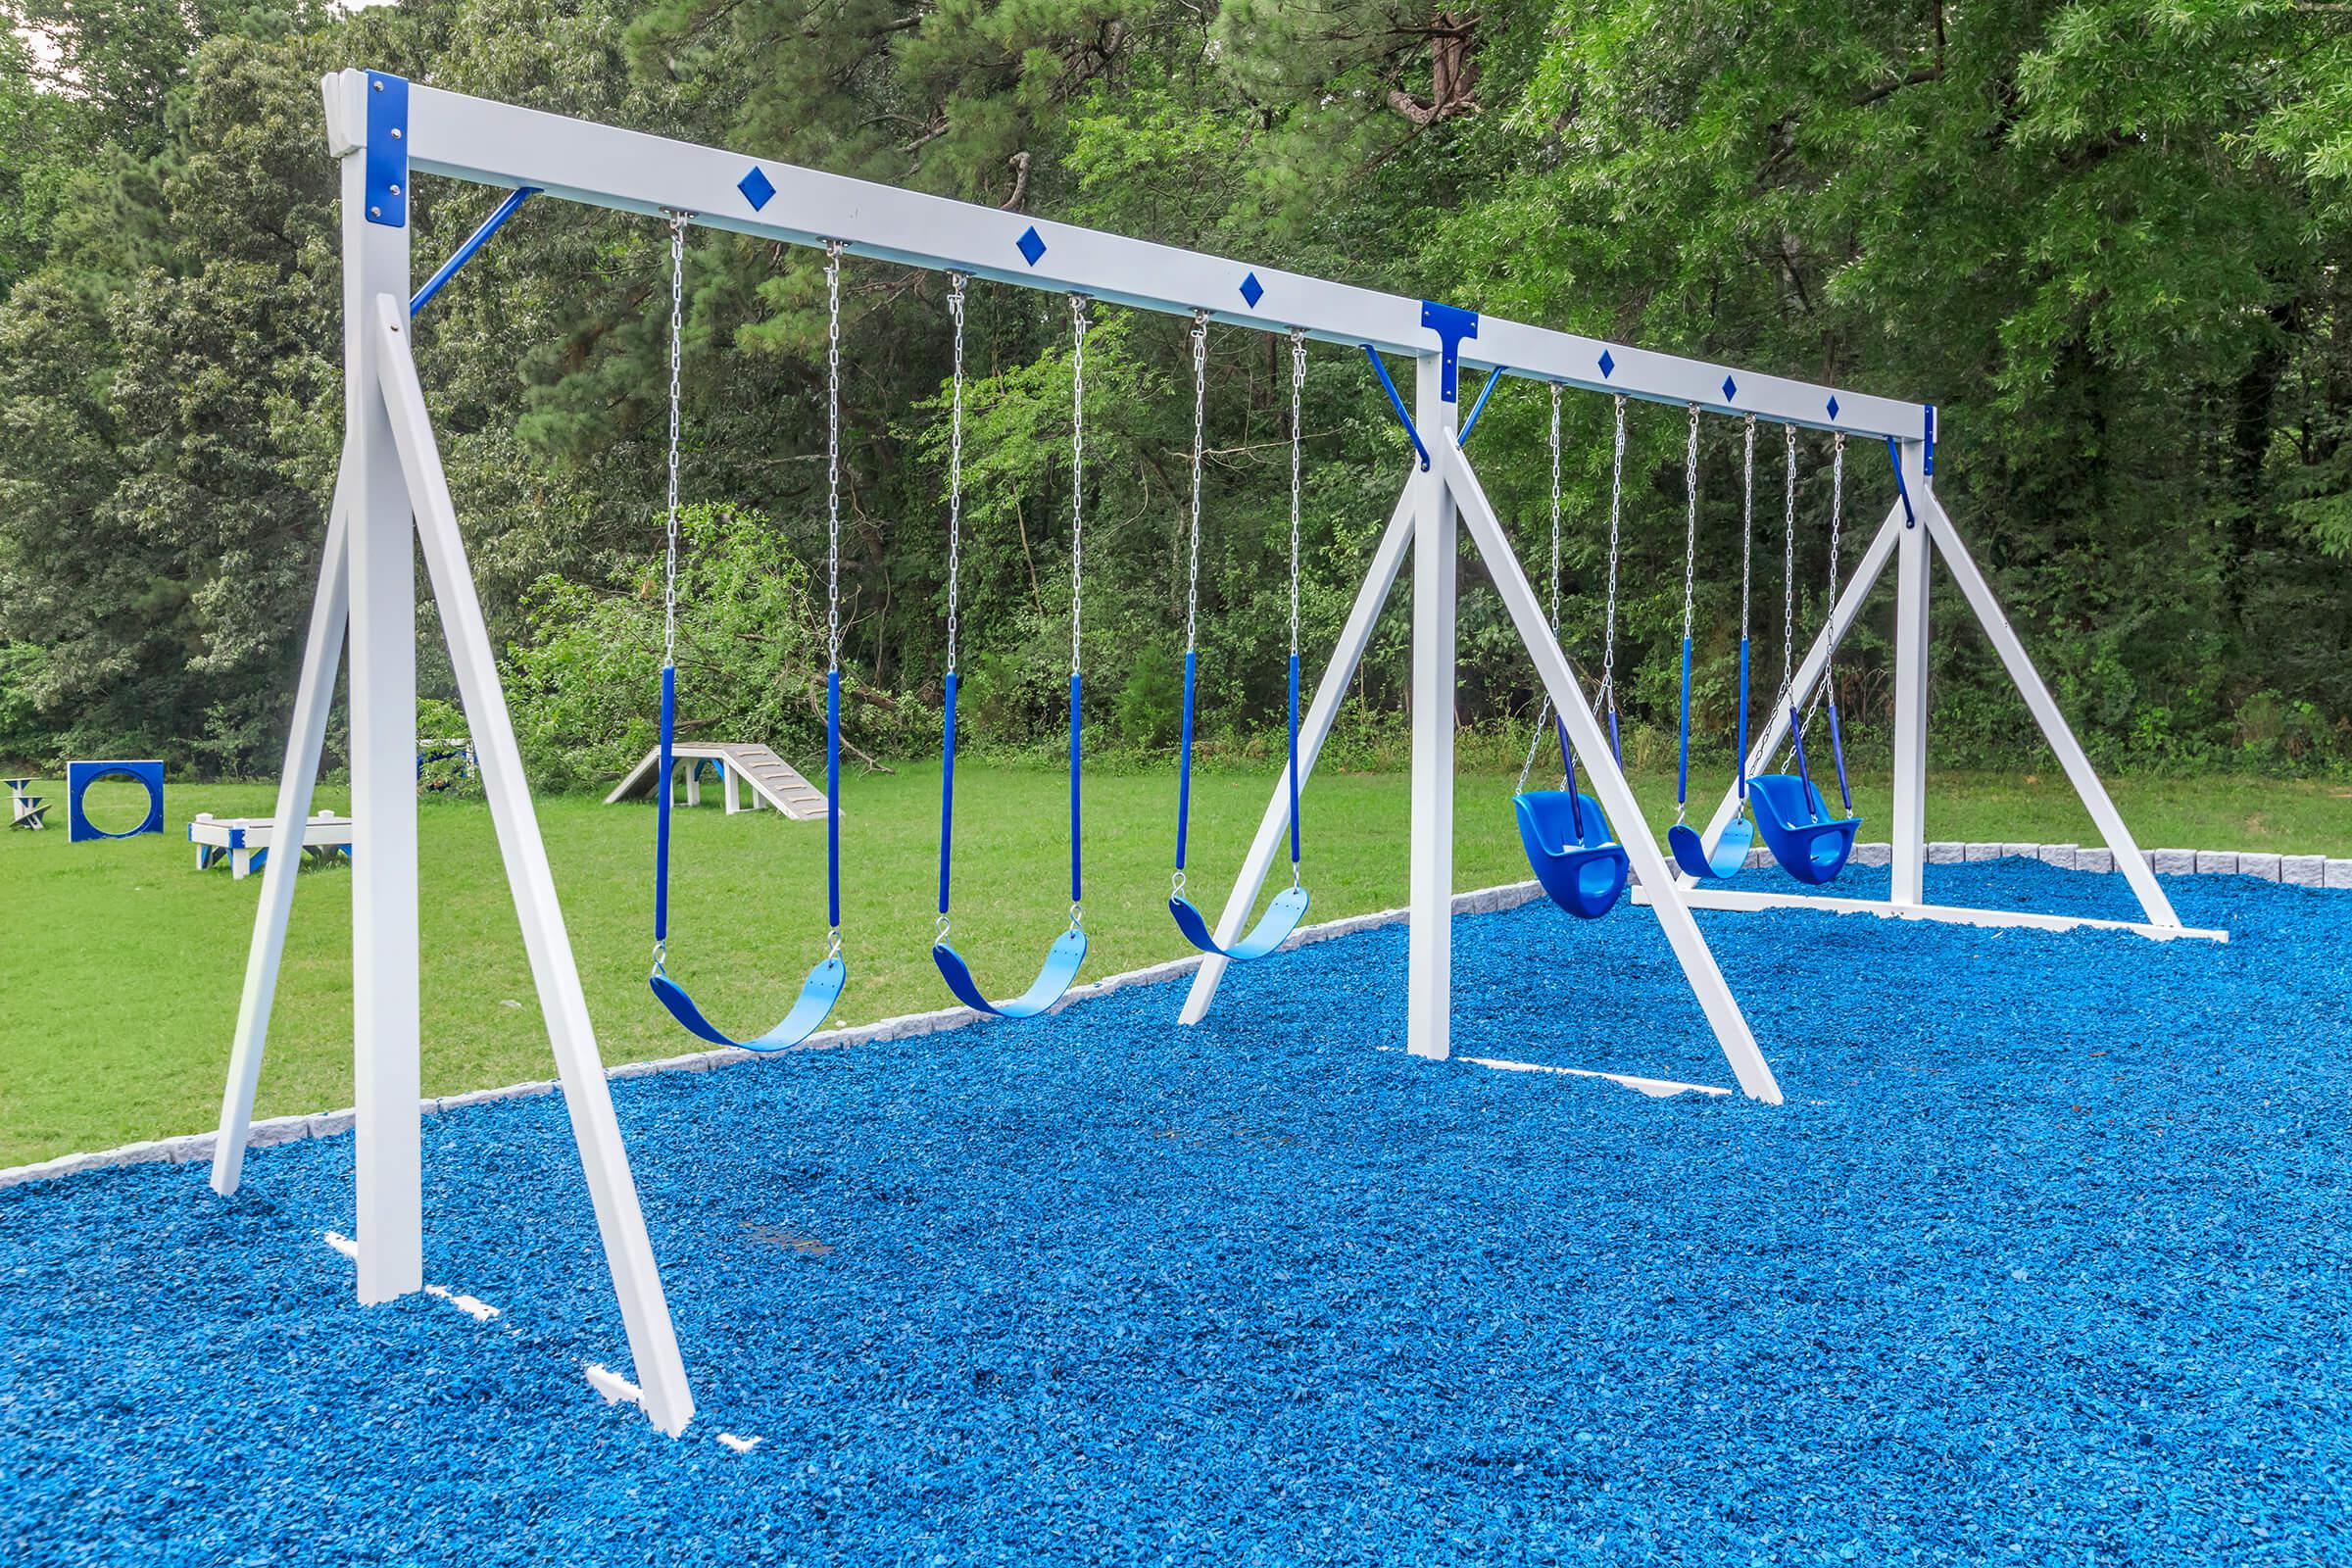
(1931, 452)
(1451, 324)
(387, 154)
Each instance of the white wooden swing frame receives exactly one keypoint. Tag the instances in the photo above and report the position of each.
(391, 496)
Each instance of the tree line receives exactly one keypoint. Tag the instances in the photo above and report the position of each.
(2103, 237)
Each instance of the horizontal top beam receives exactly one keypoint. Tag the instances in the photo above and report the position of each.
(499, 144)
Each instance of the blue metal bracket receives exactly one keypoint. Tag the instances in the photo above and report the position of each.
(1931, 463)
(1493, 377)
(387, 154)
(1398, 402)
(1451, 324)
(1895, 453)
(465, 253)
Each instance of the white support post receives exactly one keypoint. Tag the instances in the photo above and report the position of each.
(587, 1097)
(1387, 560)
(313, 696)
(386, 1078)
(1907, 824)
(1437, 533)
(734, 790)
(1609, 781)
(694, 781)
(2054, 728)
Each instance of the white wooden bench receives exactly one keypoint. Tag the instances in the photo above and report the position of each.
(245, 840)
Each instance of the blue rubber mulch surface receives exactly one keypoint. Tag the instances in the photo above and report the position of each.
(2044, 1260)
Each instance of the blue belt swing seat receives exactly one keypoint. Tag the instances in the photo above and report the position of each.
(822, 988)
(1569, 845)
(1690, 853)
(1068, 950)
(1288, 906)
(1807, 842)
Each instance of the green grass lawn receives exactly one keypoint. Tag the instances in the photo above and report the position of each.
(123, 963)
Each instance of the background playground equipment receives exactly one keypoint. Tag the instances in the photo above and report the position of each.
(392, 495)
(773, 780)
(26, 810)
(245, 841)
(80, 776)
(455, 750)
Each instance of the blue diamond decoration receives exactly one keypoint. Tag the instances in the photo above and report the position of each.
(1607, 364)
(756, 188)
(1832, 408)
(1731, 389)
(1029, 245)
(1252, 290)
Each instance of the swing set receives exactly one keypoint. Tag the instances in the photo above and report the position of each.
(392, 505)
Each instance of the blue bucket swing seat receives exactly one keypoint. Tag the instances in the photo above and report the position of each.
(1577, 860)
(1810, 844)
(1575, 857)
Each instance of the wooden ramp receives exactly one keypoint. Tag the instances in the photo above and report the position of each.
(774, 782)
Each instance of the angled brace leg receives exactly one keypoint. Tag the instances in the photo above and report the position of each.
(1690, 949)
(313, 696)
(2054, 728)
(604, 1159)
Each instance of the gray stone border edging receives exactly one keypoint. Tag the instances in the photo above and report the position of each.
(2297, 870)
(2300, 870)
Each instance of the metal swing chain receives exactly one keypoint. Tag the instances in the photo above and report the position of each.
(1689, 520)
(1298, 437)
(1829, 656)
(1535, 741)
(955, 287)
(669, 562)
(1748, 520)
(957, 282)
(1747, 554)
(1192, 591)
(1788, 567)
(1608, 623)
(1689, 557)
(1077, 497)
(833, 249)
(677, 345)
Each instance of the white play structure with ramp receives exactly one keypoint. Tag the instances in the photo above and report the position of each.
(774, 782)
